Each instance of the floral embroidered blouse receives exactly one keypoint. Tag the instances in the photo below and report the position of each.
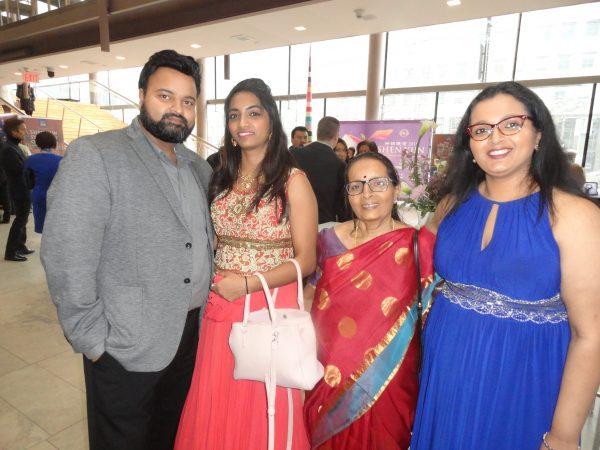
(250, 240)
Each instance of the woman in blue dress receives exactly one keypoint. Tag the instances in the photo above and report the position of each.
(512, 342)
(40, 169)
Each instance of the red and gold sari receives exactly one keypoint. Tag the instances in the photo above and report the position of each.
(365, 313)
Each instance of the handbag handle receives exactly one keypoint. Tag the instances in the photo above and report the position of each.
(271, 298)
(299, 275)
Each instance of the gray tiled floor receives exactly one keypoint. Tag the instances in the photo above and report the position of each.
(42, 394)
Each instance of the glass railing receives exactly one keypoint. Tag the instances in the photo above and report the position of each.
(122, 108)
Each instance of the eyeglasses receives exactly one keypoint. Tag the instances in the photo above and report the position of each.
(378, 184)
(508, 127)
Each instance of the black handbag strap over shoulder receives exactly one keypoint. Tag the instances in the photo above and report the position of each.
(418, 270)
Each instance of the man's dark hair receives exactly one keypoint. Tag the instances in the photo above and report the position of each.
(303, 129)
(173, 60)
(11, 125)
(45, 140)
(327, 128)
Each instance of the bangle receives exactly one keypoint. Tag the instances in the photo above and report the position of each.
(546, 445)
(246, 280)
(545, 442)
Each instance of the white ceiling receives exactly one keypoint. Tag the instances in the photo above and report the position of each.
(326, 19)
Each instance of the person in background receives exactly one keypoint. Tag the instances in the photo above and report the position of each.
(575, 169)
(341, 150)
(12, 160)
(40, 169)
(299, 137)
(215, 159)
(26, 96)
(366, 146)
(324, 170)
(512, 342)
(4, 197)
(351, 152)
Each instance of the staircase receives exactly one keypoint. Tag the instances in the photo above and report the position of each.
(79, 119)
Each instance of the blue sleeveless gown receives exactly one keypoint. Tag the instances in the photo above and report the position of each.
(488, 381)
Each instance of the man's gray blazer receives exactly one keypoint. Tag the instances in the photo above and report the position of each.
(116, 249)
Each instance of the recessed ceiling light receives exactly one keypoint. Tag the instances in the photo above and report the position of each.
(300, 28)
(196, 45)
(120, 58)
(62, 66)
(453, 2)
(18, 74)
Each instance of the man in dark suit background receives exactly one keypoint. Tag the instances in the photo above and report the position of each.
(12, 160)
(4, 195)
(299, 137)
(324, 169)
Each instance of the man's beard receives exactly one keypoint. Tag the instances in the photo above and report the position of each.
(163, 129)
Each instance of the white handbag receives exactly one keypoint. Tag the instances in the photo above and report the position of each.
(277, 347)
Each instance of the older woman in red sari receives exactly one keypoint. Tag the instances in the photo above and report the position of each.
(366, 316)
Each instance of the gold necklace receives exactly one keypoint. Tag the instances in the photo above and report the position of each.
(246, 181)
(356, 229)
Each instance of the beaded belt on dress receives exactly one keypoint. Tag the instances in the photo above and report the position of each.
(485, 301)
(256, 244)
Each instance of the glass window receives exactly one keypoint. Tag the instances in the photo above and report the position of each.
(569, 35)
(125, 82)
(451, 108)
(592, 161)
(208, 78)
(346, 108)
(293, 114)
(215, 124)
(337, 65)
(271, 65)
(569, 106)
(408, 106)
(592, 28)
(459, 52)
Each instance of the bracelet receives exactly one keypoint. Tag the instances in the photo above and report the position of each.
(246, 280)
(546, 445)
(545, 442)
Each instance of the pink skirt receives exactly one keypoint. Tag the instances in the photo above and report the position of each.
(221, 413)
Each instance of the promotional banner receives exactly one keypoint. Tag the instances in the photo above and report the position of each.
(395, 139)
(37, 125)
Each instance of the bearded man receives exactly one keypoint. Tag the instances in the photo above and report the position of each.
(127, 249)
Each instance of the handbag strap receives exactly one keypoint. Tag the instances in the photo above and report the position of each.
(418, 270)
(299, 275)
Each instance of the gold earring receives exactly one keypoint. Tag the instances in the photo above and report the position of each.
(233, 143)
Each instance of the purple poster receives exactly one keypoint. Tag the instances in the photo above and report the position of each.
(396, 139)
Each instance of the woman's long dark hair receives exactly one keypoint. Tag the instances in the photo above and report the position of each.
(276, 165)
(389, 168)
(549, 165)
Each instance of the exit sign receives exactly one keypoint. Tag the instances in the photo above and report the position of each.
(31, 77)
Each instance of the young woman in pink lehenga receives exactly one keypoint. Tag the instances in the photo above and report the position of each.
(264, 213)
